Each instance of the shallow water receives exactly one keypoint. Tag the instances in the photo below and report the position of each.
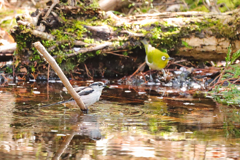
(139, 122)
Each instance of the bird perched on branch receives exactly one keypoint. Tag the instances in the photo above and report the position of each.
(155, 59)
(89, 95)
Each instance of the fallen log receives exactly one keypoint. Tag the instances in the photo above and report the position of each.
(194, 35)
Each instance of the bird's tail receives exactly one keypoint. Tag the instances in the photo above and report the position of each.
(61, 102)
(144, 41)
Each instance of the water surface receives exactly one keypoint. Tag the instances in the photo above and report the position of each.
(139, 122)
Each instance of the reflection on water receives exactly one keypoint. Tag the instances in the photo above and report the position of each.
(128, 123)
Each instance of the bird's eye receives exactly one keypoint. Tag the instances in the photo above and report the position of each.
(163, 58)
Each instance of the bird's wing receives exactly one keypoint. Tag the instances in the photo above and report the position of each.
(155, 55)
(85, 91)
(150, 54)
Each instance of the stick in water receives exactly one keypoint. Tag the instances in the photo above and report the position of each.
(42, 51)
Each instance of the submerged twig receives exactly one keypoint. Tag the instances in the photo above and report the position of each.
(139, 68)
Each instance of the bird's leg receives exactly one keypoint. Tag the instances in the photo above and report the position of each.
(150, 75)
(164, 74)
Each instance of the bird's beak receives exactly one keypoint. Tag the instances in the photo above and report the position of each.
(105, 86)
(170, 58)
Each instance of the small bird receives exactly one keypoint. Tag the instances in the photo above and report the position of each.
(155, 59)
(89, 95)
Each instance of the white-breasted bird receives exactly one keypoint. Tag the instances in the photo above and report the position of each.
(89, 95)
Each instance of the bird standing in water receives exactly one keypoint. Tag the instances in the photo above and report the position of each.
(155, 59)
(89, 95)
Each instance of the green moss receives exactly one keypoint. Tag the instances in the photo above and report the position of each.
(156, 32)
(94, 4)
(161, 34)
(83, 57)
(60, 35)
(198, 5)
(47, 43)
(9, 23)
(71, 29)
(201, 8)
(8, 70)
(143, 31)
(230, 4)
(88, 40)
(68, 65)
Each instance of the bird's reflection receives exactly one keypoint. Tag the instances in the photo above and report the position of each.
(86, 129)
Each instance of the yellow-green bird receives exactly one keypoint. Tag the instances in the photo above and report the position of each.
(155, 59)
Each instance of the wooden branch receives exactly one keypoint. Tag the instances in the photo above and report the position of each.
(42, 51)
(76, 43)
(123, 46)
(81, 43)
(84, 50)
(8, 48)
(173, 14)
(120, 55)
(42, 35)
(133, 34)
(55, 2)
